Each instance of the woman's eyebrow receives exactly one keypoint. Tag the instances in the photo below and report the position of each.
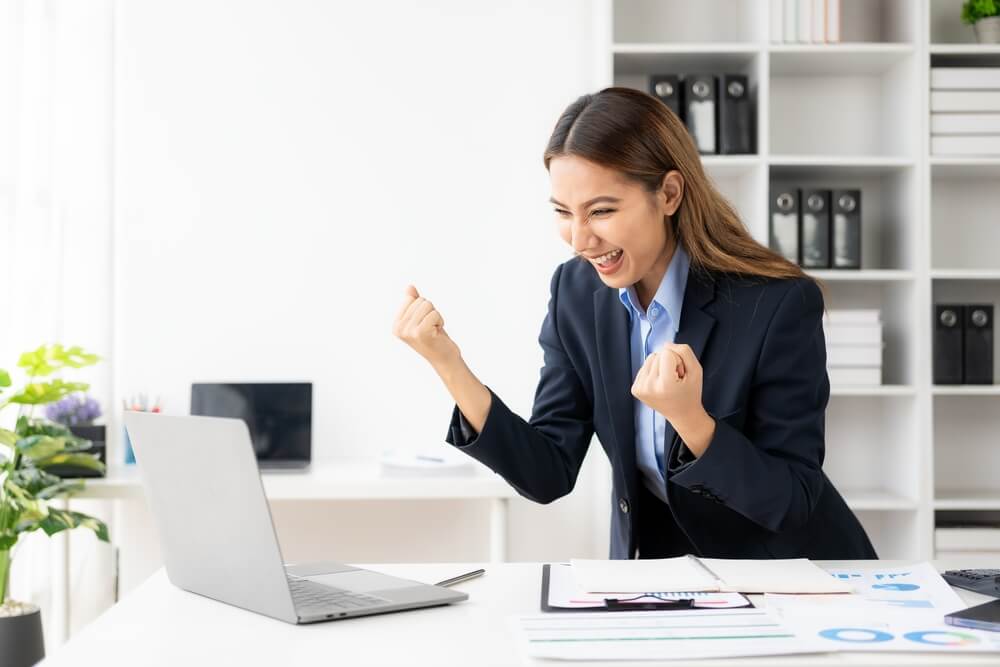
(587, 204)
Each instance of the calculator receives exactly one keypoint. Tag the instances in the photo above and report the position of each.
(985, 581)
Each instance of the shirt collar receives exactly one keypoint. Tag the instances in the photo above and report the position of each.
(669, 295)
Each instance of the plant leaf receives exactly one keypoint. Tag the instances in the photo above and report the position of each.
(37, 447)
(60, 520)
(47, 359)
(8, 438)
(32, 480)
(73, 442)
(7, 542)
(89, 461)
(64, 487)
(4, 378)
(39, 393)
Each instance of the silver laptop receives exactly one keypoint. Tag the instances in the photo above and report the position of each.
(204, 490)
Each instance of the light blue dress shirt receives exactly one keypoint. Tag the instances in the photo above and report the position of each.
(649, 330)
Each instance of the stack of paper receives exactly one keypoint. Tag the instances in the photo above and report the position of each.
(965, 110)
(688, 573)
(895, 609)
(853, 346)
(648, 635)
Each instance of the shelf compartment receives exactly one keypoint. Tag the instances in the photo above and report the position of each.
(896, 301)
(966, 456)
(848, 103)
(866, 443)
(963, 214)
(893, 533)
(945, 28)
(718, 21)
(889, 219)
(945, 290)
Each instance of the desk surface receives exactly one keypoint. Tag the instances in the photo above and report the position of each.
(347, 479)
(158, 624)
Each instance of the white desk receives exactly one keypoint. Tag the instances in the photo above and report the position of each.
(158, 624)
(342, 480)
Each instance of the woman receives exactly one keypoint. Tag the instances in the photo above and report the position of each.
(696, 354)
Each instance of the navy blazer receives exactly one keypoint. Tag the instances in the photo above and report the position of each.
(759, 490)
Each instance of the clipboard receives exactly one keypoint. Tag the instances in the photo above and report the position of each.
(631, 601)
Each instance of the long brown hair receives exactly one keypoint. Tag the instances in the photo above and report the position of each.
(636, 134)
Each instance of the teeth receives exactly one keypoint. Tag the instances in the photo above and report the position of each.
(604, 259)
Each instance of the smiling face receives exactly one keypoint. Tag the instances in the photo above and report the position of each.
(615, 223)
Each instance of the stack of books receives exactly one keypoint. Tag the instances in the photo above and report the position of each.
(853, 346)
(805, 21)
(965, 111)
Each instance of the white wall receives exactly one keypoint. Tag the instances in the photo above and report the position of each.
(243, 190)
(285, 168)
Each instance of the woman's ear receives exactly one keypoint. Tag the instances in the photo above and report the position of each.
(671, 192)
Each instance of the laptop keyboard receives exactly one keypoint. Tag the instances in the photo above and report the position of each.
(310, 597)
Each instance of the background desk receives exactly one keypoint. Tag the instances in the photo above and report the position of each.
(339, 480)
(158, 624)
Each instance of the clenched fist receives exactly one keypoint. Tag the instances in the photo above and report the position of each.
(420, 325)
(670, 382)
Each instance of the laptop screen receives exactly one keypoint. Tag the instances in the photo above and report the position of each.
(279, 415)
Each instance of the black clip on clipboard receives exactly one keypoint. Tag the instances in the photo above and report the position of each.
(612, 604)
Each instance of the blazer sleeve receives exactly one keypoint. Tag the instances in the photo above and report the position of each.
(770, 471)
(540, 457)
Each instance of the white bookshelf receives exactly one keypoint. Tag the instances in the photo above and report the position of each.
(856, 114)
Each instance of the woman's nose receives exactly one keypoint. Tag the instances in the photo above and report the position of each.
(582, 237)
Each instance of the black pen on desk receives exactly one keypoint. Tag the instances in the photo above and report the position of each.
(460, 578)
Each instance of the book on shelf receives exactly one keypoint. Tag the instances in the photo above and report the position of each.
(965, 78)
(852, 334)
(965, 123)
(856, 356)
(805, 21)
(853, 315)
(965, 101)
(966, 144)
(968, 538)
(864, 377)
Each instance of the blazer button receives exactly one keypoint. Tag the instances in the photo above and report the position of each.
(623, 505)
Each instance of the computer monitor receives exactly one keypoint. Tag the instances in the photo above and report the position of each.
(278, 414)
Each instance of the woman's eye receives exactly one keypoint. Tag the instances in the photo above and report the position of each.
(602, 211)
(561, 212)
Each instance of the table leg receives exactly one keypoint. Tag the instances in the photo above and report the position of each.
(498, 529)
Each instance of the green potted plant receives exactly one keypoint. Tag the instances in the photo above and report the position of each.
(984, 17)
(26, 488)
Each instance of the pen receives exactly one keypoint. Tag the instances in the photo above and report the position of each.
(460, 578)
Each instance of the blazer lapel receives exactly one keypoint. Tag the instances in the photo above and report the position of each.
(611, 325)
(696, 326)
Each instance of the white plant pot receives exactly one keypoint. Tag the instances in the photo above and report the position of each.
(988, 30)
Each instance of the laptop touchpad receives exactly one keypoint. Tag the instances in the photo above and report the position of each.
(360, 581)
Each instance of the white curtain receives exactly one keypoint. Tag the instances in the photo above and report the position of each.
(55, 240)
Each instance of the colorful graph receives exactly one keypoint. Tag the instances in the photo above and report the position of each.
(941, 638)
(896, 587)
(856, 635)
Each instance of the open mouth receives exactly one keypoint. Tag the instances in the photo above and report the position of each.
(609, 262)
